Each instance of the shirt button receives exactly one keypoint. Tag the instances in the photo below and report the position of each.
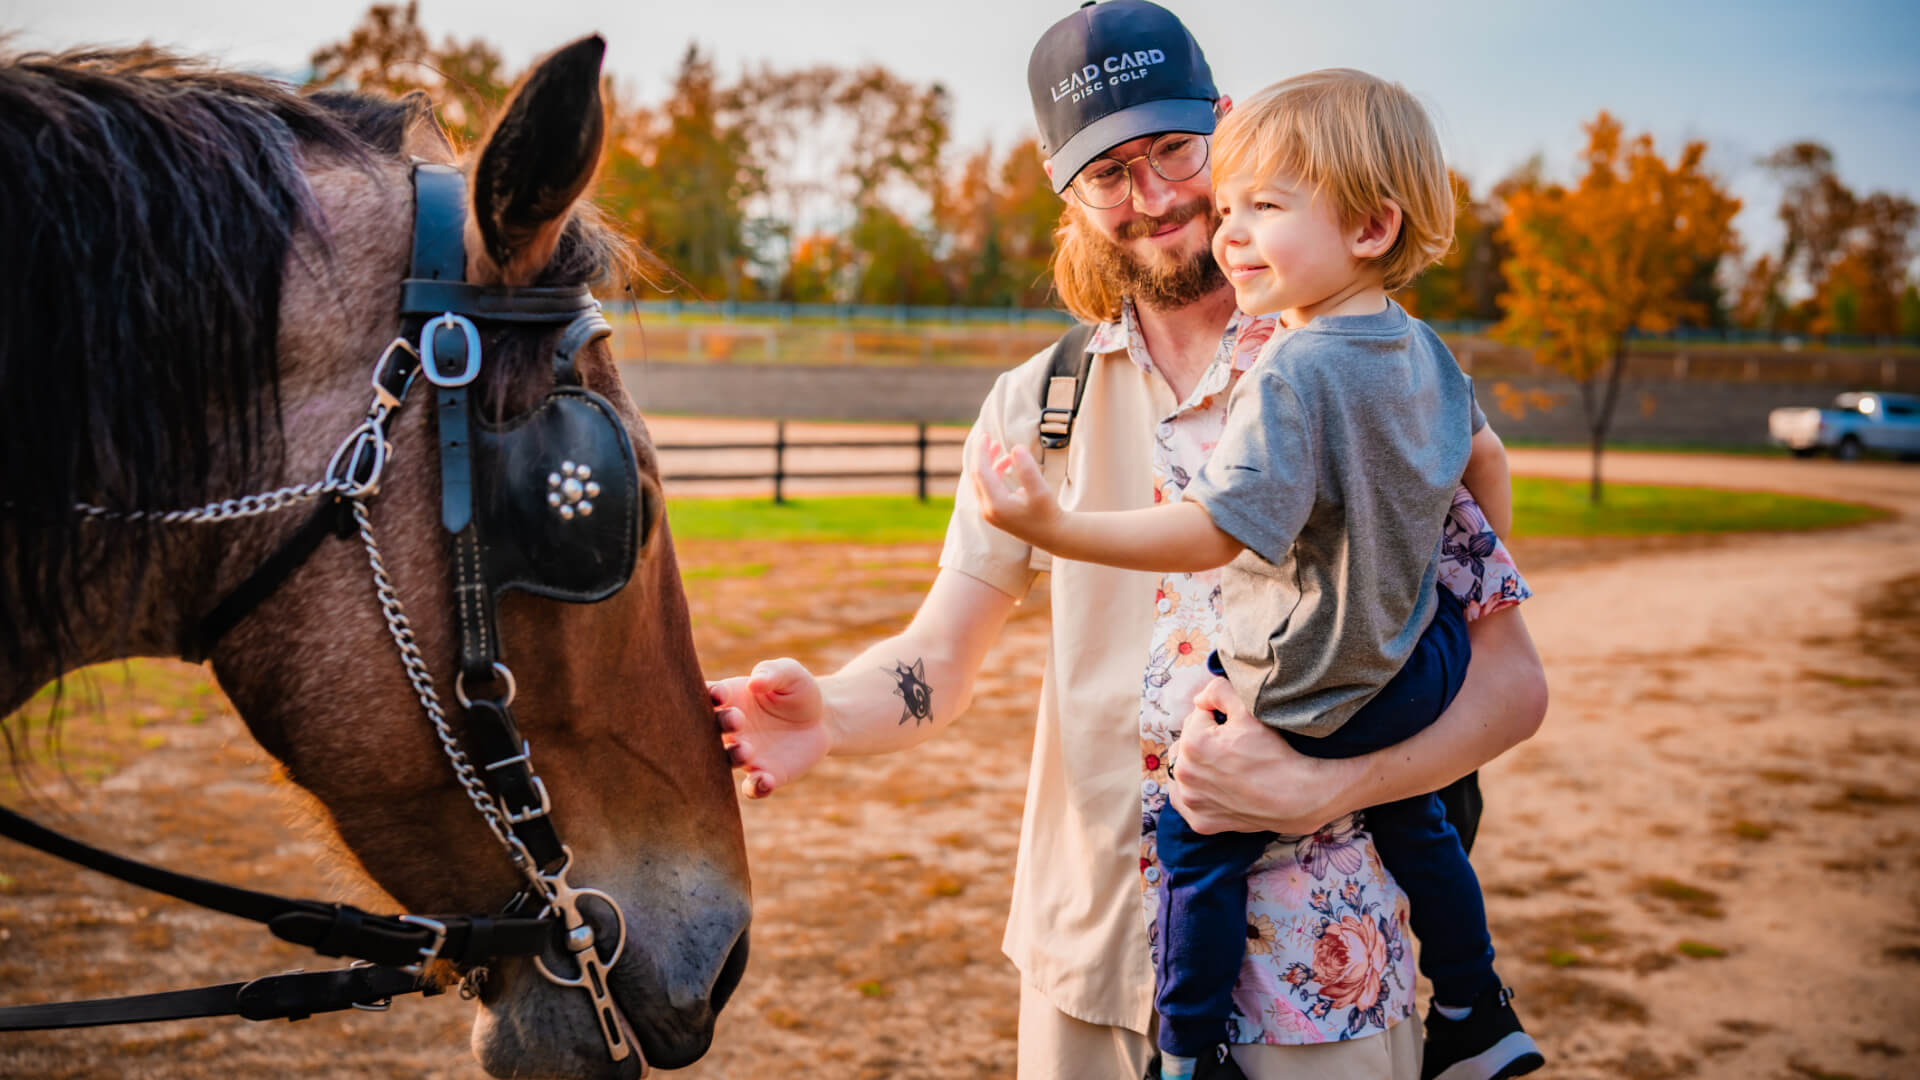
(1153, 875)
(1149, 787)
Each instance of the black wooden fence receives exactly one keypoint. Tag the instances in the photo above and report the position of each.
(920, 474)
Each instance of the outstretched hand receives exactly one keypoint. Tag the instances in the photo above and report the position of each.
(773, 724)
(1013, 493)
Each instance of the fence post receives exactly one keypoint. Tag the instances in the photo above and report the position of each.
(920, 474)
(779, 460)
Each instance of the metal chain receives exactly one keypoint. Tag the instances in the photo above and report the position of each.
(268, 502)
(422, 679)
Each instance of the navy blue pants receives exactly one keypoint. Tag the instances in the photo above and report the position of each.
(1203, 895)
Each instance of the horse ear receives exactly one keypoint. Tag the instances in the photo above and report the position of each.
(535, 164)
(424, 137)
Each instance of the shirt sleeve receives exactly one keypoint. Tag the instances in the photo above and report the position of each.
(974, 547)
(1479, 418)
(1258, 486)
(1475, 565)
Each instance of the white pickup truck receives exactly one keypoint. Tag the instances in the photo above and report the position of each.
(1858, 423)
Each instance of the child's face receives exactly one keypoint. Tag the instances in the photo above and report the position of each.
(1281, 248)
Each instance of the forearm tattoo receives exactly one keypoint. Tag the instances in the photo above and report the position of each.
(911, 685)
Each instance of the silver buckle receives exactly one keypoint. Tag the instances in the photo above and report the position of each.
(429, 365)
(431, 952)
(528, 813)
(382, 396)
(382, 1005)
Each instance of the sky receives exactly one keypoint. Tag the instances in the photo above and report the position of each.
(1504, 79)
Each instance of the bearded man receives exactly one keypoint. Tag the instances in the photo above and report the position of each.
(1125, 101)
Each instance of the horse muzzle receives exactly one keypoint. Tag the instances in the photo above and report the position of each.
(681, 962)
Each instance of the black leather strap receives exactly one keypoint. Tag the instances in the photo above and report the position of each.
(292, 996)
(333, 517)
(1070, 359)
(427, 297)
(494, 743)
(588, 327)
(331, 929)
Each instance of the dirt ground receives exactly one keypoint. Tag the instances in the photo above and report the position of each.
(1706, 864)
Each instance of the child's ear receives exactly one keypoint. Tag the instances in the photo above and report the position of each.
(1375, 236)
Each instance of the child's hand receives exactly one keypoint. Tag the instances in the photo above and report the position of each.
(1012, 493)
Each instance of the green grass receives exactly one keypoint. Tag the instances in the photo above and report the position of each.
(1767, 450)
(1560, 508)
(1541, 508)
(868, 519)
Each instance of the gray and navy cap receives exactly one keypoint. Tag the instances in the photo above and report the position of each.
(1110, 73)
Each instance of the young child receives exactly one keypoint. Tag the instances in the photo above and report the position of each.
(1325, 500)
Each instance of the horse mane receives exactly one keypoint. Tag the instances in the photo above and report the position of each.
(147, 207)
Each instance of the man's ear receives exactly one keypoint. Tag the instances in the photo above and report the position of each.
(1376, 235)
(1222, 107)
(1047, 164)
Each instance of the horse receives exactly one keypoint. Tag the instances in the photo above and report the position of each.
(197, 268)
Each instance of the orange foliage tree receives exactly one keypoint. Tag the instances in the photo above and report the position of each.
(388, 52)
(1611, 255)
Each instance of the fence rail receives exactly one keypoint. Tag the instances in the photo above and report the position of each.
(1057, 320)
(922, 443)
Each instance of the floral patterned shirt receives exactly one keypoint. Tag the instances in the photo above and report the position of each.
(1328, 954)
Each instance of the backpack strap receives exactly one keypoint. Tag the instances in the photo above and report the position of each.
(1059, 405)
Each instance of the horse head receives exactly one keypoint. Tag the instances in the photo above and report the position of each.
(609, 694)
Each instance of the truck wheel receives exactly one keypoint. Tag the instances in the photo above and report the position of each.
(1848, 449)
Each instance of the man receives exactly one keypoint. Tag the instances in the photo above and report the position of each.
(1124, 100)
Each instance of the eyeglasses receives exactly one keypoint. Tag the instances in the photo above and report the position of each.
(1107, 182)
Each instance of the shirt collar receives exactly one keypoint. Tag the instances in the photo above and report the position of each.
(1247, 332)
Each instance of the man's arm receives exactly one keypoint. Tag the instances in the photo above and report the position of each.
(1241, 776)
(1489, 481)
(779, 721)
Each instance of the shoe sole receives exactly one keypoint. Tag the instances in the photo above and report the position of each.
(1515, 1055)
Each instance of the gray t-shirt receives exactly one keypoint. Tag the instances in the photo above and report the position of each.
(1344, 445)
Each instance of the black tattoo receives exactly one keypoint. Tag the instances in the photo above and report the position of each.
(913, 689)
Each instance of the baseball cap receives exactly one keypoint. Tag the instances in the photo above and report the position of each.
(1110, 73)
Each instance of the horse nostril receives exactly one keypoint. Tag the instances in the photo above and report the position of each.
(729, 978)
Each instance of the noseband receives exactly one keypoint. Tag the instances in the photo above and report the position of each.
(550, 503)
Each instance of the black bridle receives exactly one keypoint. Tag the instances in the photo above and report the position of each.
(549, 503)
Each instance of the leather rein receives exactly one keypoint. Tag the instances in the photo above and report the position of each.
(490, 759)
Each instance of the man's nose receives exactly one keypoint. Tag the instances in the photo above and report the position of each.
(1152, 194)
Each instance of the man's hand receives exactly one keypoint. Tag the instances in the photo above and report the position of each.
(1241, 776)
(773, 724)
(1026, 508)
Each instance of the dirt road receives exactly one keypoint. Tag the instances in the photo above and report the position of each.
(1706, 864)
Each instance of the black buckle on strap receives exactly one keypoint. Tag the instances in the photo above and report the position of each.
(1056, 428)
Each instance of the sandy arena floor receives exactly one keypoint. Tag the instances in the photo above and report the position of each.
(1706, 864)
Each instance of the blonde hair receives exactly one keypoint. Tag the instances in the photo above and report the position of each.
(1357, 140)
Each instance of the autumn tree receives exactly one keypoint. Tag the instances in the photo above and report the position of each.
(1845, 253)
(1609, 256)
(997, 223)
(389, 53)
(679, 177)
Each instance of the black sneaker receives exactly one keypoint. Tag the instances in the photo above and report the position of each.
(1486, 1044)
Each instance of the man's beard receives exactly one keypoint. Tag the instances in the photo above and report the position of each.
(1165, 282)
